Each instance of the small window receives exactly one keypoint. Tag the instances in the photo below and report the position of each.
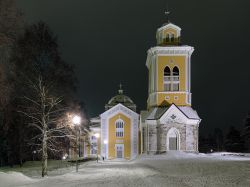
(176, 71)
(172, 37)
(119, 124)
(168, 37)
(176, 79)
(167, 79)
(167, 71)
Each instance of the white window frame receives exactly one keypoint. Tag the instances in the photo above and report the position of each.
(171, 83)
(119, 128)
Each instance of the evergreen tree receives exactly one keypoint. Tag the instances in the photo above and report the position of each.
(246, 132)
(234, 142)
(11, 27)
(218, 137)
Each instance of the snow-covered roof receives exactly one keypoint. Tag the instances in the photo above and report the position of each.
(169, 25)
(121, 98)
(156, 112)
(189, 112)
(143, 115)
(95, 122)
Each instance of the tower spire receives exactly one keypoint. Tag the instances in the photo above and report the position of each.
(120, 91)
(167, 13)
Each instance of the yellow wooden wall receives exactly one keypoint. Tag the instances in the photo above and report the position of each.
(126, 139)
(171, 62)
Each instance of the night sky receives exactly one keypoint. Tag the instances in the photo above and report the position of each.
(107, 41)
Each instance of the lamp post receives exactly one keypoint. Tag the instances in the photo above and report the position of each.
(77, 121)
(97, 135)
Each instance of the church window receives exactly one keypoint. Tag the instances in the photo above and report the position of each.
(172, 37)
(167, 79)
(168, 37)
(176, 79)
(119, 124)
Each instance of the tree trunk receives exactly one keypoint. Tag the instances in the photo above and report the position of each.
(44, 155)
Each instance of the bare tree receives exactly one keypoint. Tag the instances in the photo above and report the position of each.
(46, 116)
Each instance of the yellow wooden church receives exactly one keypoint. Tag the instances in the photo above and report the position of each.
(168, 124)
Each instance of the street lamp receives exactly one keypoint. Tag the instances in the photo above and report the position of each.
(97, 135)
(77, 121)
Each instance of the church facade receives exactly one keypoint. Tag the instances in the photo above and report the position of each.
(169, 123)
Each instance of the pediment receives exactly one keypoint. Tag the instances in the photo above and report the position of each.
(119, 108)
(170, 26)
(173, 115)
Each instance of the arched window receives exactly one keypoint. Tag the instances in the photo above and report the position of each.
(167, 71)
(167, 79)
(168, 37)
(176, 71)
(119, 125)
(172, 37)
(176, 79)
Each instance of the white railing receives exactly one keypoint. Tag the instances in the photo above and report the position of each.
(167, 78)
(171, 78)
(175, 78)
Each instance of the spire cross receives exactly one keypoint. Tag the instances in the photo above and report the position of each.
(167, 13)
(120, 91)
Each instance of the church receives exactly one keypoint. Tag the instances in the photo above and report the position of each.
(168, 124)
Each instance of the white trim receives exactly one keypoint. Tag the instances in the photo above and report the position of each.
(168, 51)
(123, 124)
(116, 108)
(170, 25)
(134, 117)
(171, 92)
(187, 74)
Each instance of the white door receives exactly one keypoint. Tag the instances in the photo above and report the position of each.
(119, 150)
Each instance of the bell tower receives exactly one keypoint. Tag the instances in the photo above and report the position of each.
(169, 66)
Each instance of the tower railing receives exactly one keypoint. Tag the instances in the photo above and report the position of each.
(171, 78)
(172, 83)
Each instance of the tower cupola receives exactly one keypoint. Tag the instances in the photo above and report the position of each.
(168, 35)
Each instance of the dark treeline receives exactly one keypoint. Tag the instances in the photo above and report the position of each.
(234, 140)
(28, 52)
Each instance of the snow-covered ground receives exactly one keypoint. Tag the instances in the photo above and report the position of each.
(217, 169)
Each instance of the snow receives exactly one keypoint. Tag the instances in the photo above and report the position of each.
(14, 179)
(172, 169)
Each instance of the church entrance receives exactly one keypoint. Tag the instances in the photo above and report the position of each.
(119, 150)
(172, 143)
(173, 140)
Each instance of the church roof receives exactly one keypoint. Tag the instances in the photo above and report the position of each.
(121, 98)
(156, 112)
(95, 122)
(169, 25)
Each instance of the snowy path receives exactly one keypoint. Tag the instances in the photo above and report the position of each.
(148, 171)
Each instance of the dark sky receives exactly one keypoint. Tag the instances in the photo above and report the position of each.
(107, 41)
